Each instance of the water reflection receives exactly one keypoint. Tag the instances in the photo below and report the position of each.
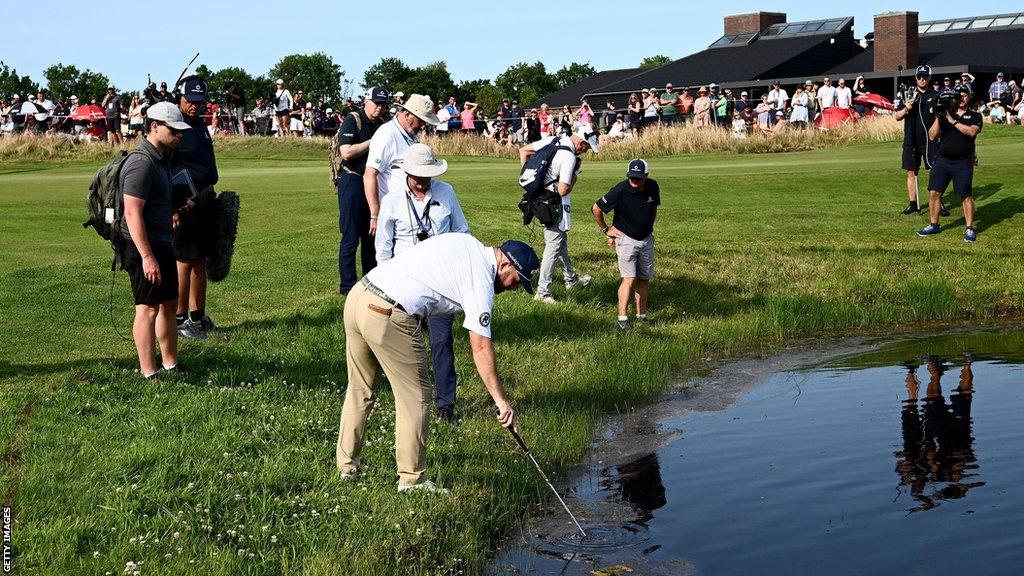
(638, 483)
(937, 461)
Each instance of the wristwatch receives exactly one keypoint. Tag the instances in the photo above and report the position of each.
(605, 230)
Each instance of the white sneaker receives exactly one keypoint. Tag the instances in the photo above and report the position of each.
(545, 298)
(425, 486)
(346, 476)
(581, 281)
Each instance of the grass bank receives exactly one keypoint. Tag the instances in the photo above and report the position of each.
(229, 470)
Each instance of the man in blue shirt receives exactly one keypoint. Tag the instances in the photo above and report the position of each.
(998, 89)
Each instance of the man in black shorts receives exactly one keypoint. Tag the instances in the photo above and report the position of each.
(956, 131)
(916, 114)
(635, 202)
(112, 107)
(194, 238)
(146, 248)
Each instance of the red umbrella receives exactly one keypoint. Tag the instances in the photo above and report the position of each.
(89, 113)
(874, 101)
(835, 116)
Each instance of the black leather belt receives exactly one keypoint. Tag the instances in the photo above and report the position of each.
(380, 294)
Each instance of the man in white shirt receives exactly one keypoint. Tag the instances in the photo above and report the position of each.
(445, 274)
(778, 97)
(387, 149)
(560, 178)
(826, 94)
(843, 95)
(427, 207)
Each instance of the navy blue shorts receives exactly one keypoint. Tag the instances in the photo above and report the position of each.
(960, 172)
(912, 156)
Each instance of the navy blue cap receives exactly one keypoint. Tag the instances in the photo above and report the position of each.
(924, 70)
(378, 94)
(194, 90)
(524, 260)
(962, 89)
(637, 168)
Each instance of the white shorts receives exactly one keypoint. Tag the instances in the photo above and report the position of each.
(636, 257)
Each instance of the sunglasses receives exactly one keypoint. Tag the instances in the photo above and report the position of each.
(174, 131)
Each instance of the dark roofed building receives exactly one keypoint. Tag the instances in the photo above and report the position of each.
(981, 45)
(760, 47)
(573, 95)
(749, 55)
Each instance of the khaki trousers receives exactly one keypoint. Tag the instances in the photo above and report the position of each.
(378, 335)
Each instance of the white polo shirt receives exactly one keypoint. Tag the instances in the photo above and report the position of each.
(844, 97)
(827, 96)
(561, 170)
(402, 216)
(443, 275)
(387, 150)
(777, 97)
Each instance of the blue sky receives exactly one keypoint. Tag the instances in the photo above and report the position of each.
(478, 40)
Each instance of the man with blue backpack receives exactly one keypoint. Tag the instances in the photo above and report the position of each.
(549, 169)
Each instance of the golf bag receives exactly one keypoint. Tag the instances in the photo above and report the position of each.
(537, 201)
(225, 227)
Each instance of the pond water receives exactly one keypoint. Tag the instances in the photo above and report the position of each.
(904, 459)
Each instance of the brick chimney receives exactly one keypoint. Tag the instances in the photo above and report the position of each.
(753, 22)
(896, 41)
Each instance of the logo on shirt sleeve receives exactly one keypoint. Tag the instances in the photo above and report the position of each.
(485, 319)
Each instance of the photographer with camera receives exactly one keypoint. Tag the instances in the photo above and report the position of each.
(956, 127)
(236, 103)
(425, 207)
(914, 109)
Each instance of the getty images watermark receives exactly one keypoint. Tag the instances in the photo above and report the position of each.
(8, 518)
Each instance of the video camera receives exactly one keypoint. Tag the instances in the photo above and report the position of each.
(946, 102)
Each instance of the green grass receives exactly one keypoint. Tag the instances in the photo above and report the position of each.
(230, 470)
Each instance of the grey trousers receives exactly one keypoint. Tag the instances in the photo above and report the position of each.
(556, 247)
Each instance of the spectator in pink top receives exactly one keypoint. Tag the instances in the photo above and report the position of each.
(585, 115)
(468, 117)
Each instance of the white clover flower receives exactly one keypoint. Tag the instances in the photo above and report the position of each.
(273, 539)
(96, 554)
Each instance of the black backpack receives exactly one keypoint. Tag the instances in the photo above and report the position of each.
(537, 201)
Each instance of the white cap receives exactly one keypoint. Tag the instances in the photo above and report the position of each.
(15, 97)
(329, 110)
(420, 161)
(279, 81)
(400, 94)
(168, 114)
(73, 97)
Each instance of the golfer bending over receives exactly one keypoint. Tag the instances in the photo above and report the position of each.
(444, 274)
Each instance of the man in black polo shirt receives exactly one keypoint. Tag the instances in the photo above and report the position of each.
(916, 114)
(956, 131)
(635, 202)
(146, 247)
(194, 232)
(353, 211)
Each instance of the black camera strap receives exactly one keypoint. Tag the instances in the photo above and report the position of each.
(426, 213)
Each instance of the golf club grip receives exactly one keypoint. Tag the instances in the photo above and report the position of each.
(519, 440)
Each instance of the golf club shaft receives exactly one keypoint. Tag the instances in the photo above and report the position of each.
(529, 454)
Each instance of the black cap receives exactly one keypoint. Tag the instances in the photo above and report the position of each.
(524, 259)
(195, 90)
(924, 70)
(637, 168)
(515, 101)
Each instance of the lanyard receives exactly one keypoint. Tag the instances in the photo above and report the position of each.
(426, 213)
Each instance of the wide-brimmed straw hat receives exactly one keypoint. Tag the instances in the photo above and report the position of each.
(421, 107)
(420, 161)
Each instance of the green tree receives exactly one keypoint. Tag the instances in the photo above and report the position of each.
(389, 72)
(66, 81)
(432, 79)
(573, 73)
(526, 81)
(656, 61)
(315, 74)
(11, 83)
(468, 89)
(489, 98)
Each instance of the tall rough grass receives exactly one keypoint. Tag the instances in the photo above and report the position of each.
(682, 140)
(655, 142)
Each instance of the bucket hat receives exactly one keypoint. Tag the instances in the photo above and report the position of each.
(421, 107)
(420, 161)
